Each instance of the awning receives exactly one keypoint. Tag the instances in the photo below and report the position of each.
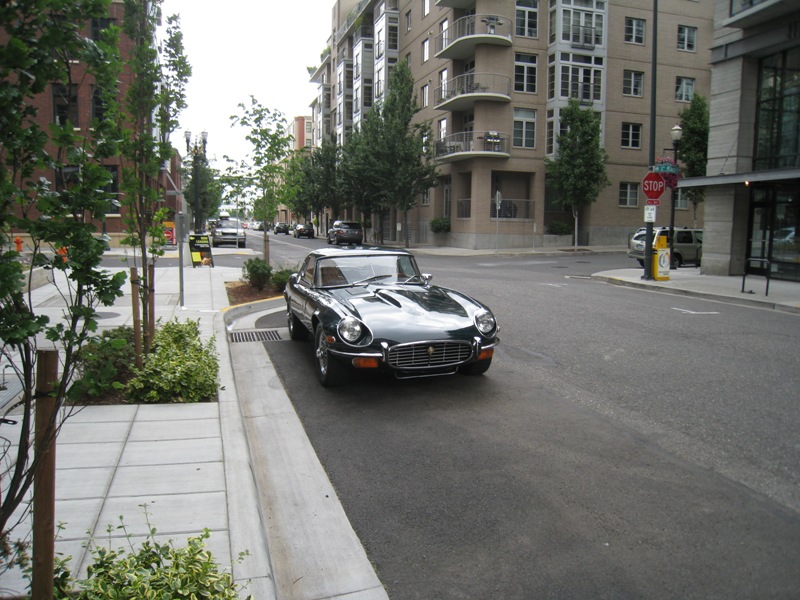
(737, 178)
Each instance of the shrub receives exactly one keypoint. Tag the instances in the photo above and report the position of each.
(281, 278)
(559, 228)
(102, 364)
(440, 225)
(180, 368)
(257, 273)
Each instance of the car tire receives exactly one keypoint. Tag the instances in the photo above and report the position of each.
(330, 371)
(640, 261)
(329, 240)
(678, 261)
(476, 368)
(297, 331)
(242, 244)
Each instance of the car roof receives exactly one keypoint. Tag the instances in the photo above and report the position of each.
(348, 223)
(358, 251)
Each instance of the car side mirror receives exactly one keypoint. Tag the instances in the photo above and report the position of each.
(427, 278)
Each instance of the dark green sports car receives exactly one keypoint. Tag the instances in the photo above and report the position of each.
(371, 308)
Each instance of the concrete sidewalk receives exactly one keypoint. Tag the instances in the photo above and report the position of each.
(243, 467)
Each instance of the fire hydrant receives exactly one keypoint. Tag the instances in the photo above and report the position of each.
(18, 243)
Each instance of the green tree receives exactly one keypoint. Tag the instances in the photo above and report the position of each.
(578, 171)
(57, 174)
(209, 187)
(359, 162)
(266, 131)
(154, 99)
(693, 150)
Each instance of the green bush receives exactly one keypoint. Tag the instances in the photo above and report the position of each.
(157, 570)
(559, 228)
(440, 225)
(281, 278)
(257, 273)
(180, 368)
(102, 364)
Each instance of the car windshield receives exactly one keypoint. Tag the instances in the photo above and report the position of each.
(356, 270)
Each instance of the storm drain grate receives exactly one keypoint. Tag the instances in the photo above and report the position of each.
(256, 335)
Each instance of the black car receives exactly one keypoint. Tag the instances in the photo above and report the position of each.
(371, 309)
(348, 232)
(303, 230)
(282, 228)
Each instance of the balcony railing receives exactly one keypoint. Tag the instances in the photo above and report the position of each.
(459, 40)
(466, 89)
(469, 143)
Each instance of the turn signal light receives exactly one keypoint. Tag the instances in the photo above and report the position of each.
(486, 353)
(365, 363)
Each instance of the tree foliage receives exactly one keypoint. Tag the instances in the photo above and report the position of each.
(44, 45)
(693, 150)
(578, 171)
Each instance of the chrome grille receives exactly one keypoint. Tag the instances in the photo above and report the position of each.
(423, 355)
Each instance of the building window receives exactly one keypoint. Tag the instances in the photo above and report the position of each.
(684, 89)
(634, 31)
(367, 93)
(408, 21)
(426, 7)
(424, 94)
(527, 24)
(778, 112)
(426, 198)
(65, 104)
(98, 106)
(525, 73)
(633, 83)
(631, 135)
(549, 138)
(112, 189)
(379, 83)
(628, 194)
(687, 38)
(443, 83)
(582, 27)
(425, 50)
(681, 200)
(524, 128)
(442, 128)
(580, 78)
(393, 36)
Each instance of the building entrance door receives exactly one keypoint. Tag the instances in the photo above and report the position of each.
(772, 241)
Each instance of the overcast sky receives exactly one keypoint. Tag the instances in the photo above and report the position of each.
(243, 48)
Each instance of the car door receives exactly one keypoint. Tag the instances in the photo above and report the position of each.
(301, 291)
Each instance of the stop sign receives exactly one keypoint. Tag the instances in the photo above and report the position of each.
(653, 185)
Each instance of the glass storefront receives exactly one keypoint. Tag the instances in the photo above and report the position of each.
(774, 222)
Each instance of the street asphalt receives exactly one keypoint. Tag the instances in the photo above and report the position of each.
(243, 467)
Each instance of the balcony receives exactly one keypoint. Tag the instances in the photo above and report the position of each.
(459, 40)
(749, 13)
(472, 144)
(464, 91)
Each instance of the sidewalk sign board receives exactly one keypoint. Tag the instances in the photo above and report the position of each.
(661, 259)
(200, 249)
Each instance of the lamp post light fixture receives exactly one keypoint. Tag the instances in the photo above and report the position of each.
(198, 151)
(676, 133)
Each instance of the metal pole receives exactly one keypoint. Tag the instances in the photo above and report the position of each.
(196, 193)
(673, 198)
(179, 233)
(648, 239)
(498, 198)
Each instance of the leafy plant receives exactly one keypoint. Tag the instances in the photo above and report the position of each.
(440, 225)
(559, 228)
(281, 278)
(257, 273)
(104, 364)
(181, 368)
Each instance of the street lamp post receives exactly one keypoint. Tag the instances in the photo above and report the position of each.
(676, 133)
(198, 151)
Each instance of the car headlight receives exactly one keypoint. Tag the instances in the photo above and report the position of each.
(350, 329)
(485, 321)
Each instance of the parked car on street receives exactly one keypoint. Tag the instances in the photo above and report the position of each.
(348, 232)
(258, 225)
(371, 309)
(688, 244)
(281, 227)
(303, 230)
(228, 230)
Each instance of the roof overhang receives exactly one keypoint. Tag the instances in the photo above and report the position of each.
(739, 178)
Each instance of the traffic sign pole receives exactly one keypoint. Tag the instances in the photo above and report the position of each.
(653, 186)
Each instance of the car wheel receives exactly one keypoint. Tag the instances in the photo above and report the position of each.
(329, 370)
(297, 330)
(329, 239)
(678, 260)
(476, 368)
(242, 244)
(640, 261)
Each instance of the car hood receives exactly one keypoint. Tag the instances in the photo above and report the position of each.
(399, 313)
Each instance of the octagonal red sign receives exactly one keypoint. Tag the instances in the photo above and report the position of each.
(653, 185)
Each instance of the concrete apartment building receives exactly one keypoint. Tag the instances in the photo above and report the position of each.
(752, 187)
(491, 78)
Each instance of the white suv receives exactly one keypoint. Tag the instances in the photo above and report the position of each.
(688, 244)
